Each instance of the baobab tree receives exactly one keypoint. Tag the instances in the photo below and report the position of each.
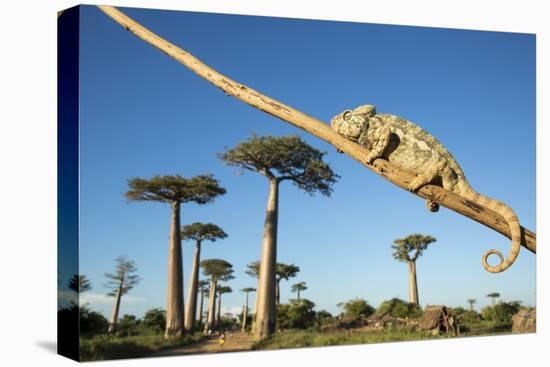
(471, 302)
(408, 250)
(246, 291)
(175, 190)
(279, 159)
(217, 270)
(221, 290)
(80, 283)
(297, 288)
(120, 282)
(493, 296)
(199, 232)
(203, 289)
(283, 271)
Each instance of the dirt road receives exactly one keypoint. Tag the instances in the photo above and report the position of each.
(233, 343)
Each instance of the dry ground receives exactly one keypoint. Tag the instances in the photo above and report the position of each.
(233, 343)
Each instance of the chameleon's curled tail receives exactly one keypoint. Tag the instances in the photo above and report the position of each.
(513, 223)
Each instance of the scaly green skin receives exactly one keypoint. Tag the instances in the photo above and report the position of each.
(411, 148)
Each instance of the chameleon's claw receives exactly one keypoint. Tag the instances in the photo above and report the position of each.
(370, 159)
(411, 187)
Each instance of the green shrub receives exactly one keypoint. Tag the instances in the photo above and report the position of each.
(323, 317)
(92, 323)
(357, 307)
(501, 313)
(155, 320)
(398, 308)
(298, 314)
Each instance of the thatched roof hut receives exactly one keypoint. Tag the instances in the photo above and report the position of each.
(345, 323)
(384, 320)
(438, 319)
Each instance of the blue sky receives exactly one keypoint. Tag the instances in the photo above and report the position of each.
(143, 114)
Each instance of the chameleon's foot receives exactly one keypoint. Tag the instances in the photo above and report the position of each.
(339, 151)
(370, 159)
(432, 206)
(413, 186)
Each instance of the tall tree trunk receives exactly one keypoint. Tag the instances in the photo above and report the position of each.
(471, 307)
(298, 291)
(493, 301)
(265, 296)
(219, 310)
(413, 288)
(278, 292)
(245, 313)
(201, 305)
(191, 309)
(211, 318)
(116, 308)
(174, 302)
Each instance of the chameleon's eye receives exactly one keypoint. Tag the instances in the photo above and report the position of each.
(347, 114)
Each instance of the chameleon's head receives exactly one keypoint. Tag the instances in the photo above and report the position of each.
(351, 123)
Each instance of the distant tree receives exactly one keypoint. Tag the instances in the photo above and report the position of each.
(502, 312)
(128, 325)
(175, 190)
(92, 323)
(357, 307)
(459, 310)
(198, 232)
(203, 289)
(80, 283)
(398, 308)
(471, 302)
(221, 290)
(244, 319)
(217, 270)
(297, 314)
(408, 250)
(283, 272)
(298, 287)
(155, 319)
(493, 296)
(121, 282)
(323, 317)
(278, 159)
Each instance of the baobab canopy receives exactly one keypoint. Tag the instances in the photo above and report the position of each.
(284, 158)
(201, 189)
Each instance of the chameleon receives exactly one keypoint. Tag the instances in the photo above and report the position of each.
(411, 148)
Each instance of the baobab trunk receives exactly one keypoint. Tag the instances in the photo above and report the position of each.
(211, 318)
(278, 293)
(201, 306)
(116, 308)
(298, 291)
(265, 297)
(219, 310)
(191, 307)
(174, 302)
(413, 288)
(245, 312)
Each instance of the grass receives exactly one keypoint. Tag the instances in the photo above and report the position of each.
(311, 338)
(113, 347)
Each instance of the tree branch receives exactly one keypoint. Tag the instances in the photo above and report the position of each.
(313, 126)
